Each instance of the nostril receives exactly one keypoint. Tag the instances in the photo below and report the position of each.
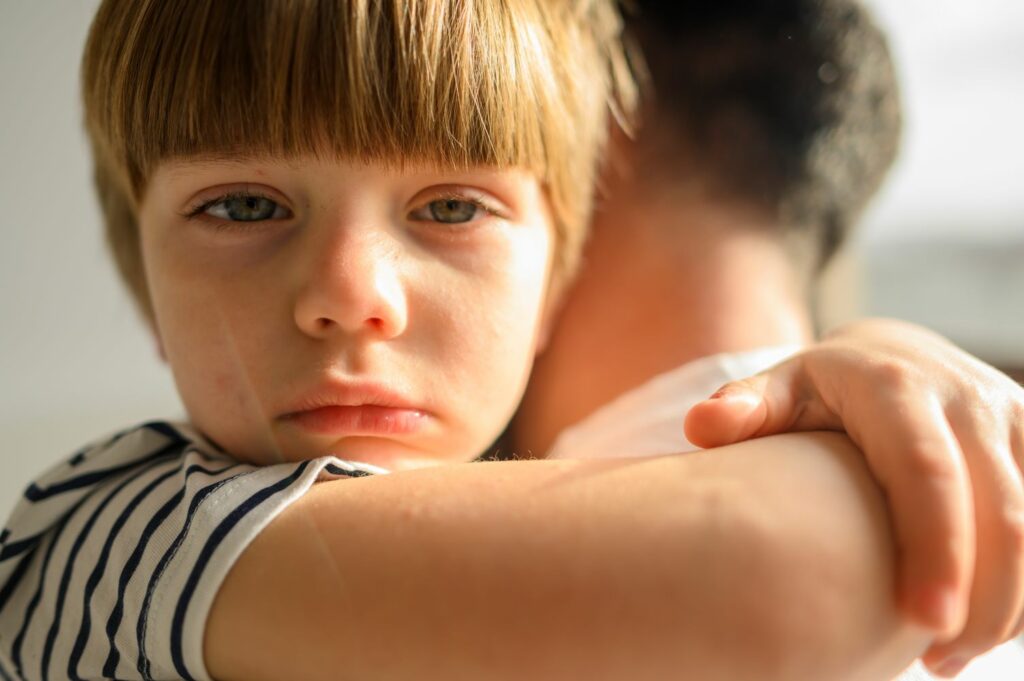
(374, 324)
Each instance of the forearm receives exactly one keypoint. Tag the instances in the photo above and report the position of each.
(707, 565)
(833, 565)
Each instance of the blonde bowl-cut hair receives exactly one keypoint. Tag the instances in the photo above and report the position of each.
(503, 83)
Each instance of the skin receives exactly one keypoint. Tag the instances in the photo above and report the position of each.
(346, 278)
(951, 470)
(547, 570)
(669, 278)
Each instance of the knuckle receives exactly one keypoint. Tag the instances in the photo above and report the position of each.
(928, 461)
(891, 375)
(973, 392)
(977, 424)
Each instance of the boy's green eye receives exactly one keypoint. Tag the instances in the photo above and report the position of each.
(453, 210)
(245, 208)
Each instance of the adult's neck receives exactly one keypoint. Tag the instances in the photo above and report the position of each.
(667, 278)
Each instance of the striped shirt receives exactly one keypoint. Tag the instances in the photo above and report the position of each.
(110, 562)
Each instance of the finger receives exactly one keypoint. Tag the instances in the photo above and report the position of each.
(997, 596)
(1017, 433)
(920, 466)
(734, 413)
(779, 399)
(1017, 448)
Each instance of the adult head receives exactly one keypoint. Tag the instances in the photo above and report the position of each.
(765, 129)
(790, 108)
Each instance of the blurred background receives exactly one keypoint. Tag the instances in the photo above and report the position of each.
(942, 246)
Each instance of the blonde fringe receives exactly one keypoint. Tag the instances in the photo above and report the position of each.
(506, 83)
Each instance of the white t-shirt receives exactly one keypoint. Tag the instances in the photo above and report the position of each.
(110, 562)
(648, 420)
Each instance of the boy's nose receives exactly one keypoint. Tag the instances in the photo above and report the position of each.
(353, 286)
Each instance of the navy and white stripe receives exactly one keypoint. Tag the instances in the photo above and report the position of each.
(110, 562)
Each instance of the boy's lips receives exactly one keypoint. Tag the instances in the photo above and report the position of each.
(346, 409)
(364, 419)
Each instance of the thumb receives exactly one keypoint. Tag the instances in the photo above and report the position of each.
(780, 399)
(736, 412)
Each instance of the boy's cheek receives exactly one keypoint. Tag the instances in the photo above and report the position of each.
(223, 408)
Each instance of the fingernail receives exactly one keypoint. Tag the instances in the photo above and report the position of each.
(737, 397)
(951, 667)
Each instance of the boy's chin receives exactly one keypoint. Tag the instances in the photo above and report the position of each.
(411, 464)
(389, 462)
(384, 455)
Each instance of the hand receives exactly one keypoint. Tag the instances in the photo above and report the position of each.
(944, 435)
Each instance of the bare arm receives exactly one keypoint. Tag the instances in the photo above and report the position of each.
(765, 560)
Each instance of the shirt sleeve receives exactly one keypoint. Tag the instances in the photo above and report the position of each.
(110, 562)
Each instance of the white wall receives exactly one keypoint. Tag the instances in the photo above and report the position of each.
(75, 362)
(944, 245)
(961, 66)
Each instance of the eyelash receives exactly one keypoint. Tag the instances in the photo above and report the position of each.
(196, 211)
(481, 204)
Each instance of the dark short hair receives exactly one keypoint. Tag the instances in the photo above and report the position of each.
(791, 105)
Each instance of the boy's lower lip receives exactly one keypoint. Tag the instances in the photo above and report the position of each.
(361, 419)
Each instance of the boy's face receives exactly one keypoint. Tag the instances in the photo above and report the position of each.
(310, 307)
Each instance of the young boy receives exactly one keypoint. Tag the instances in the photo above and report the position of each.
(346, 224)
(344, 283)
